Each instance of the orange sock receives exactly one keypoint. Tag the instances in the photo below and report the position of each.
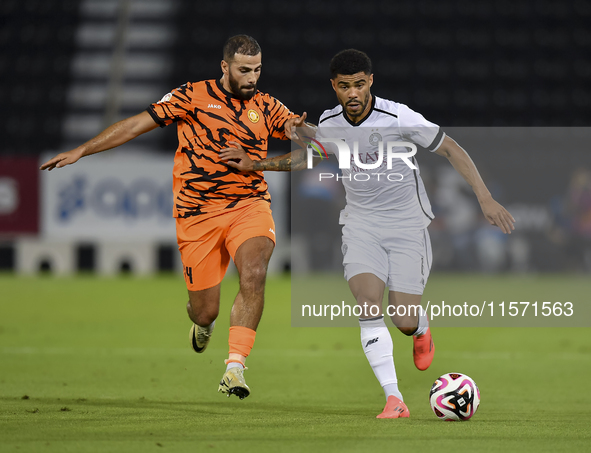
(241, 341)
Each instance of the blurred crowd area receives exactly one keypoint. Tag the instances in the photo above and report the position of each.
(72, 67)
(548, 237)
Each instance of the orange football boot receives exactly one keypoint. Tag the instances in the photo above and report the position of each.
(423, 350)
(395, 408)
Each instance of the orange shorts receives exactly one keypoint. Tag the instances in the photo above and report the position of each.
(206, 242)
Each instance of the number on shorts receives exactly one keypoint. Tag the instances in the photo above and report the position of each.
(189, 274)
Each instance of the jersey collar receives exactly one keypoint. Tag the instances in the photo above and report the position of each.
(371, 109)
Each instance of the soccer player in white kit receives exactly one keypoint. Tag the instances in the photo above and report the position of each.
(385, 237)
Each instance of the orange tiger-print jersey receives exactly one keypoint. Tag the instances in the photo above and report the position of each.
(207, 117)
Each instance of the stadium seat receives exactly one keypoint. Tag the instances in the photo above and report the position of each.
(137, 258)
(34, 255)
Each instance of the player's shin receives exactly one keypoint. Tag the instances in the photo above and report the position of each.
(377, 346)
(241, 341)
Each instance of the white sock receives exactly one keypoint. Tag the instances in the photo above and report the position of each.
(423, 324)
(234, 365)
(377, 345)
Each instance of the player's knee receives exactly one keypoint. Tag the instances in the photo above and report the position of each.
(369, 300)
(253, 276)
(406, 325)
(203, 315)
(205, 318)
(408, 331)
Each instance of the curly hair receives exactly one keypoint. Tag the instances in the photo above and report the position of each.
(348, 62)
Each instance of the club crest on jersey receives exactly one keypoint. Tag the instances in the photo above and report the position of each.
(253, 116)
(374, 139)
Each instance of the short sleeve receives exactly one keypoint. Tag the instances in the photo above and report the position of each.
(173, 107)
(416, 129)
(323, 133)
(278, 115)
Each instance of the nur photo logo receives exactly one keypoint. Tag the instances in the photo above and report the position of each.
(343, 153)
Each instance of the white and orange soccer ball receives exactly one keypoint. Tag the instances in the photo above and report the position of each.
(454, 396)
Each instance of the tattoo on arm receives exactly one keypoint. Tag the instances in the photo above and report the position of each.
(287, 162)
(280, 163)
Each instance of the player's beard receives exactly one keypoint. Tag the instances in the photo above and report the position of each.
(363, 105)
(245, 92)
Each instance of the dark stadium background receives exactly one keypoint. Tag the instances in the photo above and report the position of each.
(505, 63)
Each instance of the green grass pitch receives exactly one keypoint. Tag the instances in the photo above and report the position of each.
(90, 364)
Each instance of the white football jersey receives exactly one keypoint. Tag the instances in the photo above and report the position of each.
(395, 196)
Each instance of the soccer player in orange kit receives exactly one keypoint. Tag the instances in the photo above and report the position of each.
(220, 211)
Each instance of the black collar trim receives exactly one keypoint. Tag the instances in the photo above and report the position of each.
(373, 104)
(328, 117)
(386, 113)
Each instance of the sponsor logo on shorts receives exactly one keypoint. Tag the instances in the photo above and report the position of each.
(271, 230)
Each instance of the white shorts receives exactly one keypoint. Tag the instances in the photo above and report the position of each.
(401, 259)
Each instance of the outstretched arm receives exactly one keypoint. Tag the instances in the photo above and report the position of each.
(236, 157)
(495, 213)
(295, 160)
(113, 136)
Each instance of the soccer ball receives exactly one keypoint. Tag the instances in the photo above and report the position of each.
(454, 396)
